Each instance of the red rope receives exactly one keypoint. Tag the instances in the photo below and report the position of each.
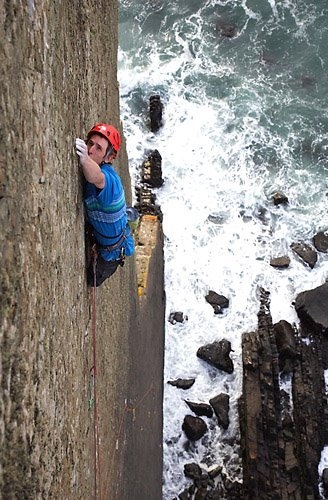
(97, 475)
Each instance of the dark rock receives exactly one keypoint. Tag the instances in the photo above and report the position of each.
(281, 262)
(217, 354)
(194, 427)
(155, 112)
(281, 444)
(184, 495)
(177, 317)
(151, 170)
(320, 241)
(325, 480)
(146, 202)
(193, 471)
(286, 345)
(220, 405)
(200, 409)
(306, 253)
(218, 302)
(226, 29)
(280, 199)
(215, 471)
(182, 383)
(312, 308)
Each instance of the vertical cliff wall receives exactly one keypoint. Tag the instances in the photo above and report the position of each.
(58, 78)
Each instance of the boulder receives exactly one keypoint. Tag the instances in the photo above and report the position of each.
(280, 262)
(320, 241)
(280, 199)
(312, 308)
(220, 405)
(307, 253)
(155, 112)
(193, 471)
(286, 345)
(177, 317)
(217, 354)
(182, 383)
(200, 409)
(217, 301)
(151, 170)
(226, 29)
(194, 427)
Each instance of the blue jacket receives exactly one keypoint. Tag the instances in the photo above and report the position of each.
(106, 212)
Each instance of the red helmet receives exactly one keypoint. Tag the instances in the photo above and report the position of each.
(109, 132)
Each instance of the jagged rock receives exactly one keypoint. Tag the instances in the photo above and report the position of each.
(220, 405)
(177, 317)
(193, 471)
(320, 241)
(226, 29)
(151, 170)
(182, 383)
(280, 199)
(324, 479)
(286, 345)
(312, 308)
(218, 302)
(217, 354)
(307, 253)
(215, 471)
(155, 112)
(194, 427)
(146, 202)
(200, 409)
(281, 262)
(281, 444)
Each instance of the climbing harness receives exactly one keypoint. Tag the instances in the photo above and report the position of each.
(110, 248)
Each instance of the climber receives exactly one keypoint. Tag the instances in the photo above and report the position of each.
(104, 201)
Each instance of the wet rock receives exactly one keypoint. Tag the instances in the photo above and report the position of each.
(217, 354)
(324, 479)
(146, 202)
(226, 29)
(193, 471)
(220, 405)
(155, 112)
(217, 301)
(194, 427)
(312, 308)
(151, 170)
(281, 444)
(320, 241)
(286, 345)
(280, 262)
(280, 199)
(200, 409)
(177, 317)
(307, 253)
(182, 383)
(215, 471)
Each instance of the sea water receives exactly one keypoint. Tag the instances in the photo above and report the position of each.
(244, 117)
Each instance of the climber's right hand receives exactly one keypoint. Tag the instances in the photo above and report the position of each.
(81, 149)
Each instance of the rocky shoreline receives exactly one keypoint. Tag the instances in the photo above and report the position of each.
(282, 433)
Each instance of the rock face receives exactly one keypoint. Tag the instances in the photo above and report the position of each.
(52, 91)
(281, 440)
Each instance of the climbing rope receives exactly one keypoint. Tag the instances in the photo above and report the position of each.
(97, 476)
(126, 409)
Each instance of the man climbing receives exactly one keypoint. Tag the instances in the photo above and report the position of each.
(104, 200)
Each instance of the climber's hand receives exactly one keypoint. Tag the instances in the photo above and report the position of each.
(81, 150)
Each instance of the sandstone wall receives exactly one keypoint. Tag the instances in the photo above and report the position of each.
(58, 78)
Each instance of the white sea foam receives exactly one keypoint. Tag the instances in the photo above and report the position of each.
(229, 141)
